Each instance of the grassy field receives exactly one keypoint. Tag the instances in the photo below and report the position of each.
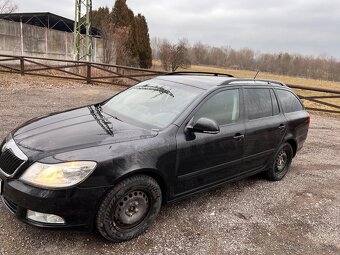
(286, 79)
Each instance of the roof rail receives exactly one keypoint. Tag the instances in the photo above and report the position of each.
(189, 72)
(252, 80)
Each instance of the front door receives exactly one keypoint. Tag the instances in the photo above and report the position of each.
(207, 159)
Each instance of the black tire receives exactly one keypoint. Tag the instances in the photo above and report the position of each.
(129, 208)
(280, 163)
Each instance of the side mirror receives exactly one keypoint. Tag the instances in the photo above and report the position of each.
(204, 125)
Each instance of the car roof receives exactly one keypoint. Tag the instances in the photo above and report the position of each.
(200, 81)
(207, 82)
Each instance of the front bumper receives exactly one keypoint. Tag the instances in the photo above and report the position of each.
(77, 206)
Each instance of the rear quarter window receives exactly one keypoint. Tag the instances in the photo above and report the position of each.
(289, 102)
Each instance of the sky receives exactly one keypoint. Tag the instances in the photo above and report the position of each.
(308, 27)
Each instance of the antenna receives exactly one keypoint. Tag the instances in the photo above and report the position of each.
(256, 74)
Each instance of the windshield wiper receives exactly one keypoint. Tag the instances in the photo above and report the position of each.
(101, 120)
(100, 109)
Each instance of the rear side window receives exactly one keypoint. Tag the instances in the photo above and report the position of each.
(259, 103)
(289, 101)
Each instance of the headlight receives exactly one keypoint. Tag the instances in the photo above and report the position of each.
(58, 175)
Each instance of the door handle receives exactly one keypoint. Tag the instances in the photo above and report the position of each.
(238, 137)
(282, 126)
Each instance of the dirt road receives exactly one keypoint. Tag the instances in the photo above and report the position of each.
(299, 215)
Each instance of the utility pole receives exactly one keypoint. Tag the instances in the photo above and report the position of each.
(83, 19)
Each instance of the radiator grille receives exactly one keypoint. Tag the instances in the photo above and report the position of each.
(9, 163)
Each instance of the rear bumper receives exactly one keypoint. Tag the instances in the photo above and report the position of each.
(78, 207)
(300, 141)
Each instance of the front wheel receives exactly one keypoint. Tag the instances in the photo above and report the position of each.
(129, 208)
(281, 162)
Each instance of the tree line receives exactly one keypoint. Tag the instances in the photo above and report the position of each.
(325, 68)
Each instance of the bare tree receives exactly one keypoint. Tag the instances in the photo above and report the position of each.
(199, 53)
(166, 50)
(108, 50)
(7, 6)
(155, 46)
(107, 34)
(114, 44)
(120, 41)
(114, 38)
(174, 56)
(180, 57)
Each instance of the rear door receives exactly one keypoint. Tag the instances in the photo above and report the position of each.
(297, 117)
(265, 127)
(207, 159)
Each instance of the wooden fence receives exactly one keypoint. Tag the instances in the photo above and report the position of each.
(90, 72)
(326, 94)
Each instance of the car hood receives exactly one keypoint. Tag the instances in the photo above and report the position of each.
(75, 129)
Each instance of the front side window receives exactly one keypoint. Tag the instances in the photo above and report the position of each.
(222, 107)
(259, 103)
(289, 102)
(150, 104)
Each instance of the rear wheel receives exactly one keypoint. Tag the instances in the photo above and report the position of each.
(129, 208)
(281, 162)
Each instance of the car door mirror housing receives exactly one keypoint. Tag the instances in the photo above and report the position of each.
(204, 125)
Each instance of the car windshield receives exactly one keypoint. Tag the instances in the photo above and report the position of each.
(150, 104)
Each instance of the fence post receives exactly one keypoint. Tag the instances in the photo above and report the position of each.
(88, 76)
(22, 66)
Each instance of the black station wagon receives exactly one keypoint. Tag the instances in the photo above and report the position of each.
(110, 166)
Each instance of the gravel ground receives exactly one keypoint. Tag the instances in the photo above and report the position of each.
(298, 215)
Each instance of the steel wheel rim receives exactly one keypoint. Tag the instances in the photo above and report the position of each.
(281, 161)
(131, 209)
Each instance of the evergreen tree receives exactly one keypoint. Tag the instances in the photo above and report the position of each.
(131, 34)
(143, 42)
(101, 17)
(123, 18)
